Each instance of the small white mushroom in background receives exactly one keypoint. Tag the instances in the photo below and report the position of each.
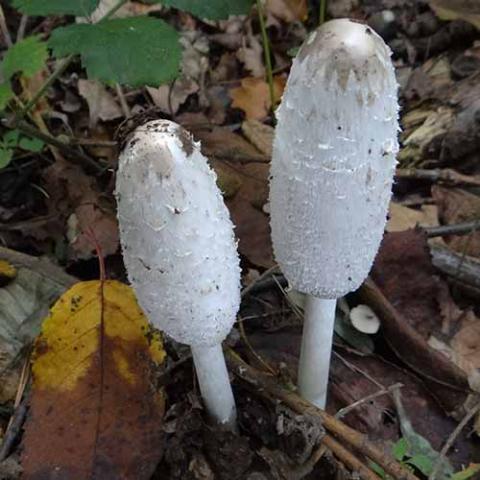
(180, 251)
(364, 319)
(332, 170)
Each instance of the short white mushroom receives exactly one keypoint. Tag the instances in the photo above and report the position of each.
(180, 251)
(331, 176)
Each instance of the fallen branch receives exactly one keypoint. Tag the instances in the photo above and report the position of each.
(268, 387)
(447, 176)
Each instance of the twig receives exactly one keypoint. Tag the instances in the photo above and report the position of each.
(266, 52)
(22, 27)
(448, 262)
(4, 29)
(123, 102)
(268, 387)
(446, 175)
(264, 275)
(346, 410)
(13, 430)
(63, 147)
(457, 229)
(350, 460)
(451, 439)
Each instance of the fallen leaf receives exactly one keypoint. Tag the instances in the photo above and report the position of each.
(91, 396)
(72, 191)
(260, 135)
(403, 218)
(170, 98)
(7, 272)
(288, 10)
(467, 10)
(457, 206)
(101, 103)
(253, 96)
(250, 54)
(24, 302)
(248, 190)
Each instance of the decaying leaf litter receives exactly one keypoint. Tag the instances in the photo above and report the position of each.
(407, 387)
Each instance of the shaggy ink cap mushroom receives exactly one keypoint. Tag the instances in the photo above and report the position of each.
(334, 159)
(177, 236)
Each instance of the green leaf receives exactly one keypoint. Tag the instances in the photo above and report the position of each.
(56, 7)
(27, 56)
(211, 9)
(31, 144)
(10, 139)
(469, 472)
(400, 449)
(135, 51)
(378, 469)
(6, 94)
(5, 156)
(422, 463)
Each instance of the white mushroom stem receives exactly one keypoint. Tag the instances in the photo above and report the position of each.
(319, 319)
(214, 383)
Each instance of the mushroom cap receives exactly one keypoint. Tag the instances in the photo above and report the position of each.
(177, 236)
(334, 159)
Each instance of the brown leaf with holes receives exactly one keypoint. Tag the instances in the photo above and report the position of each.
(457, 206)
(94, 412)
(253, 96)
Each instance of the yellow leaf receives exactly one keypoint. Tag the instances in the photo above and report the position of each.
(92, 366)
(253, 96)
(7, 272)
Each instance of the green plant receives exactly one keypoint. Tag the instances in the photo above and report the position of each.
(15, 139)
(134, 51)
(415, 458)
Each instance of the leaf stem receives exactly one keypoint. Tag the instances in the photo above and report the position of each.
(62, 66)
(266, 51)
(113, 10)
(322, 12)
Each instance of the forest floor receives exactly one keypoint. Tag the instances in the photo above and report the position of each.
(405, 374)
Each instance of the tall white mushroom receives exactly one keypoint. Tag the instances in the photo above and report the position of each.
(180, 251)
(331, 176)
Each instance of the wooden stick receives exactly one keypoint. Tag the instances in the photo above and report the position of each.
(350, 460)
(268, 387)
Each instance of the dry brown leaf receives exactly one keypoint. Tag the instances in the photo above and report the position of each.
(260, 135)
(253, 96)
(247, 186)
(101, 103)
(170, 98)
(457, 206)
(467, 10)
(403, 218)
(288, 10)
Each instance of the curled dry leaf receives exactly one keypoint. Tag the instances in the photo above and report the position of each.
(253, 96)
(91, 396)
(457, 206)
(467, 10)
(101, 103)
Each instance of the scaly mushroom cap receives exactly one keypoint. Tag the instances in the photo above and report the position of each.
(334, 159)
(176, 234)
